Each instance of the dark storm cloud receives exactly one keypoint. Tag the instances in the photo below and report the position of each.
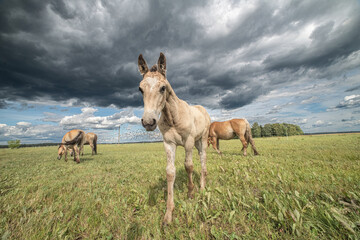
(353, 89)
(3, 104)
(221, 55)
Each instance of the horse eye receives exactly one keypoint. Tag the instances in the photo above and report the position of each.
(162, 89)
(142, 92)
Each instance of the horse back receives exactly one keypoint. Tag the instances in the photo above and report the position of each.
(77, 136)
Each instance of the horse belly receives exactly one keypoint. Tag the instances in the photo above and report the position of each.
(226, 134)
(201, 122)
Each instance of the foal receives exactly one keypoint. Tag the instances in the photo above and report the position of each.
(179, 123)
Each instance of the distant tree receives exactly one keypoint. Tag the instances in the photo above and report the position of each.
(256, 130)
(14, 144)
(266, 130)
(277, 129)
(299, 130)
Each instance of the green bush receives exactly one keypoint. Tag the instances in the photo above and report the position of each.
(14, 144)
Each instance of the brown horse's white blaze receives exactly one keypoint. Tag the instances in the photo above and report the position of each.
(179, 123)
(74, 140)
(228, 130)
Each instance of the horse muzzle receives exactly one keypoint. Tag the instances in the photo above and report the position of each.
(149, 124)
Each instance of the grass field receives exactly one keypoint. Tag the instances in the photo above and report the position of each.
(304, 187)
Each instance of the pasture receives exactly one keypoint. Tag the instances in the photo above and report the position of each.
(303, 187)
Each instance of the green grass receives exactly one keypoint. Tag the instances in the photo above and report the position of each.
(304, 187)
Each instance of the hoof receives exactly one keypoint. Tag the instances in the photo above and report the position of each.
(167, 220)
(190, 195)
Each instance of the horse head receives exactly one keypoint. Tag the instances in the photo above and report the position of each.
(61, 151)
(155, 89)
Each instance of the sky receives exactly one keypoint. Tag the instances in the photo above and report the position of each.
(73, 64)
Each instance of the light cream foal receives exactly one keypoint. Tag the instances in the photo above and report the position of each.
(179, 123)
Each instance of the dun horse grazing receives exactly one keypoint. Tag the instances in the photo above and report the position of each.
(179, 123)
(228, 130)
(91, 139)
(72, 140)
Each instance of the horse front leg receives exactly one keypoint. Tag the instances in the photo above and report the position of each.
(201, 147)
(66, 152)
(170, 177)
(189, 166)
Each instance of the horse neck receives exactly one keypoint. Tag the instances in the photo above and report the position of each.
(171, 109)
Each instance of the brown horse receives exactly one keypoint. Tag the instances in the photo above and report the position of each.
(74, 140)
(91, 139)
(228, 130)
(180, 124)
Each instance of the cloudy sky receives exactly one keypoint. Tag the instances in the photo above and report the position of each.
(73, 64)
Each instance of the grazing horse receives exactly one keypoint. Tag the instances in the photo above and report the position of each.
(228, 130)
(179, 123)
(72, 140)
(91, 139)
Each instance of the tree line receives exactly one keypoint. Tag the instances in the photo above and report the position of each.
(276, 129)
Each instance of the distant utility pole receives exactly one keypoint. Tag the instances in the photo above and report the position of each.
(119, 135)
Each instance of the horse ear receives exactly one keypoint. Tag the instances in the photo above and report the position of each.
(143, 68)
(162, 64)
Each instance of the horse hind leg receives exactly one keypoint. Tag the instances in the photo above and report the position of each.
(253, 146)
(244, 143)
(76, 154)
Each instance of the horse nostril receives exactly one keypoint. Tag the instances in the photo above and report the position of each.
(154, 121)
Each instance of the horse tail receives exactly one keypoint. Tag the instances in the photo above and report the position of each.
(95, 144)
(248, 137)
(77, 140)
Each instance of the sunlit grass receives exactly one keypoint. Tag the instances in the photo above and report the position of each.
(299, 187)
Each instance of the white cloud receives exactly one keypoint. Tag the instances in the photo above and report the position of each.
(29, 133)
(309, 100)
(321, 123)
(300, 121)
(352, 101)
(87, 120)
(24, 124)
